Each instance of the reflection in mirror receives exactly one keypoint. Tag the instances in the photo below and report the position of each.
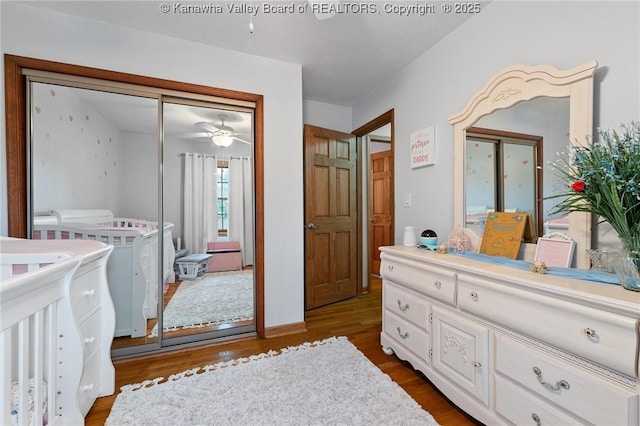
(510, 102)
(94, 164)
(501, 175)
(208, 193)
(94, 176)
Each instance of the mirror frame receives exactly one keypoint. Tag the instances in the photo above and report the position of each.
(522, 83)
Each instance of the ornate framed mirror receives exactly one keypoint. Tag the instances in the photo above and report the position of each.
(512, 87)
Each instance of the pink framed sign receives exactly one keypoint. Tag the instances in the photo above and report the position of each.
(423, 147)
(555, 252)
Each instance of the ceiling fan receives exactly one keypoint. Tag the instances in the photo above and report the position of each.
(220, 134)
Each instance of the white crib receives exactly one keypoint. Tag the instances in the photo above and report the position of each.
(476, 218)
(558, 226)
(57, 323)
(133, 266)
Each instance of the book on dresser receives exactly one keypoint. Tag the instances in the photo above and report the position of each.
(503, 234)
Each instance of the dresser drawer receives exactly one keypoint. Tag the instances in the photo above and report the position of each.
(600, 336)
(415, 339)
(521, 407)
(85, 292)
(438, 283)
(578, 390)
(90, 333)
(407, 305)
(89, 386)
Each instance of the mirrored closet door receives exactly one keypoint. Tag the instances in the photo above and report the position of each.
(208, 196)
(169, 184)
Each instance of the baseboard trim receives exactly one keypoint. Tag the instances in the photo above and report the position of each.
(282, 330)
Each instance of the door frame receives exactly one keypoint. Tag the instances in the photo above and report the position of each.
(382, 120)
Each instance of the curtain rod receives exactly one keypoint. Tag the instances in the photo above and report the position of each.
(234, 157)
(182, 154)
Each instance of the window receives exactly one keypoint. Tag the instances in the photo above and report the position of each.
(222, 183)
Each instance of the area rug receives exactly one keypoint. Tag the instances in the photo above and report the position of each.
(328, 382)
(215, 298)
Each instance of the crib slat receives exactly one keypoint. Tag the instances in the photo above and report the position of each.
(23, 371)
(5, 376)
(38, 364)
(51, 357)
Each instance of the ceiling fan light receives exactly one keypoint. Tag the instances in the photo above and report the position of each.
(222, 140)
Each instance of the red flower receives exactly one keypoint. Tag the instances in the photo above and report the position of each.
(578, 186)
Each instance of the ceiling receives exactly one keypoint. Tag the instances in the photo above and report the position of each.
(343, 57)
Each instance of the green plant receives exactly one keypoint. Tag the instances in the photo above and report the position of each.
(604, 179)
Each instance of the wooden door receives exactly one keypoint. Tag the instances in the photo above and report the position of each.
(331, 255)
(380, 206)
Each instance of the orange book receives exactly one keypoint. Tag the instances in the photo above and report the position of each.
(503, 234)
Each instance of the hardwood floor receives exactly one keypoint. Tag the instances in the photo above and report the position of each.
(359, 319)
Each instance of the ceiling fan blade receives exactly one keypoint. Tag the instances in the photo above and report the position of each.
(191, 135)
(208, 127)
(241, 140)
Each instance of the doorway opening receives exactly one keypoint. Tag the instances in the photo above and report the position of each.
(378, 204)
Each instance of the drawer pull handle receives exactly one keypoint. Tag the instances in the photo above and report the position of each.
(438, 284)
(402, 336)
(89, 293)
(89, 340)
(87, 387)
(476, 364)
(561, 384)
(403, 308)
(591, 334)
(474, 296)
(390, 268)
(536, 418)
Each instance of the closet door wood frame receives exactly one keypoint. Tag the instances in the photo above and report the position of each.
(16, 148)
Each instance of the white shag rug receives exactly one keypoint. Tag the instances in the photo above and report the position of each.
(215, 298)
(329, 382)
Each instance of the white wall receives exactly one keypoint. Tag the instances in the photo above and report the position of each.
(138, 193)
(329, 116)
(76, 153)
(40, 34)
(441, 81)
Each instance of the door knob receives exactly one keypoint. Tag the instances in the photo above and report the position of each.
(312, 226)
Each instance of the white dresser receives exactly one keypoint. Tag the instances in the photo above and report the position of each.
(509, 346)
(91, 311)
